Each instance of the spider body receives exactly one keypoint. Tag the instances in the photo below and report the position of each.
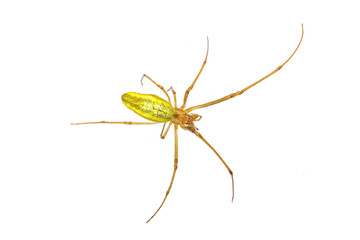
(149, 106)
(159, 110)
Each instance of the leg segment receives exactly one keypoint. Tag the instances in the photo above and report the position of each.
(159, 86)
(162, 136)
(174, 93)
(128, 123)
(175, 168)
(227, 167)
(248, 87)
(192, 85)
(170, 124)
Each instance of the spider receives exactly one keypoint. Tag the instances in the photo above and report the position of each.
(159, 110)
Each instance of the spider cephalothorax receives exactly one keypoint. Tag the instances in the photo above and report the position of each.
(185, 120)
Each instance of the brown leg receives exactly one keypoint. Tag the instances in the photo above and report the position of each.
(175, 168)
(170, 124)
(174, 93)
(192, 85)
(227, 167)
(248, 87)
(128, 123)
(159, 86)
(162, 136)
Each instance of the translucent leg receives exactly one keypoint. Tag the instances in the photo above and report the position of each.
(128, 123)
(227, 167)
(192, 85)
(174, 94)
(175, 168)
(248, 87)
(159, 86)
(162, 136)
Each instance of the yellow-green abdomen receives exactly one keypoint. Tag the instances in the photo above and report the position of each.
(149, 106)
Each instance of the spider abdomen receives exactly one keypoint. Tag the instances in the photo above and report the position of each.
(149, 106)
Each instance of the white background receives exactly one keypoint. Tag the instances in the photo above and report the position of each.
(292, 141)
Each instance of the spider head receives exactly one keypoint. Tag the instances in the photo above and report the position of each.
(185, 120)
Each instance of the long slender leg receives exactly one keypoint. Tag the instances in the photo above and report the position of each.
(170, 124)
(128, 123)
(175, 168)
(192, 85)
(227, 167)
(174, 94)
(159, 86)
(248, 87)
(167, 129)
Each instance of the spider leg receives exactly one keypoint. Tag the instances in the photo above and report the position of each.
(175, 168)
(227, 167)
(159, 86)
(174, 93)
(248, 87)
(167, 129)
(192, 85)
(128, 123)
